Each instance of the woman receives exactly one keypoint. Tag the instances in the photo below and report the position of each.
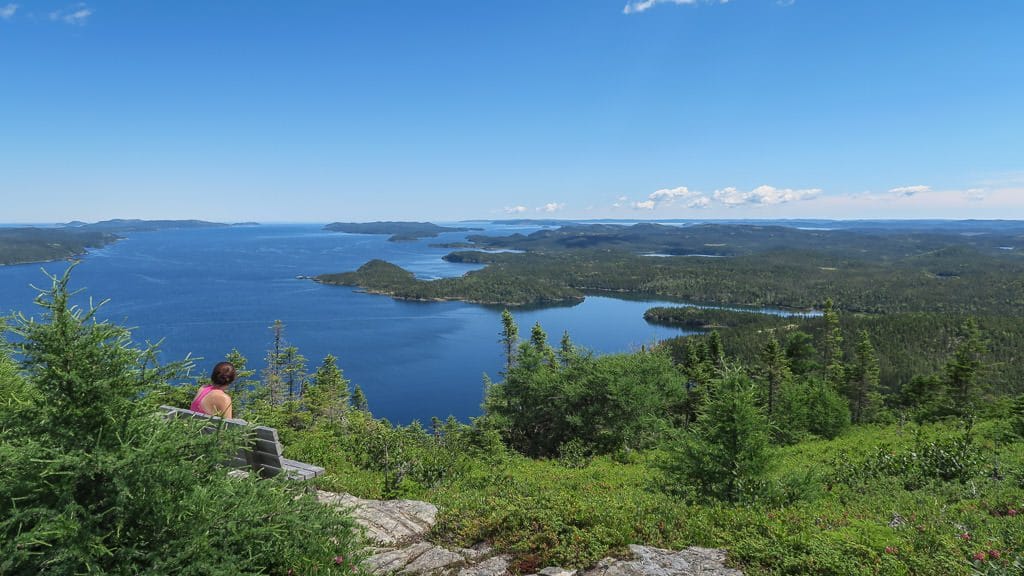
(213, 399)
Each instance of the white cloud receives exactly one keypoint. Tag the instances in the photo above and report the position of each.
(515, 209)
(976, 194)
(1002, 201)
(671, 196)
(637, 6)
(7, 12)
(907, 191)
(78, 15)
(551, 207)
(763, 196)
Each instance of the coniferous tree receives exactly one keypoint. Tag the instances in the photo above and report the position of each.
(828, 413)
(862, 385)
(293, 372)
(801, 353)
(509, 337)
(776, 371)
(833, 350)
(728, 452)
(328, 396)
(273, 374)
(243, 391)
(359, 400)
(1017, 416)
(961, 371)
(716, 350)
(566, 350)
(539, 342)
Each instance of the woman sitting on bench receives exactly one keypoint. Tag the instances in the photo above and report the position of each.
(213, 399)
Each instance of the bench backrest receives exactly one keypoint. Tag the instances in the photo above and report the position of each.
(263, 454)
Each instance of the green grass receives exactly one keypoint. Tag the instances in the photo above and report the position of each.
(809, 521)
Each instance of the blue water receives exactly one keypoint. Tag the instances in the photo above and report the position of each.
(207, 291)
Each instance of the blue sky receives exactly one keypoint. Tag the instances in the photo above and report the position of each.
(443, 110)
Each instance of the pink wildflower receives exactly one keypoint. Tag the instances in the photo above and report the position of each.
(339, 559)
(892, 550)
(1011, 512)
(965, 536)
(994, 554)
(980, 556)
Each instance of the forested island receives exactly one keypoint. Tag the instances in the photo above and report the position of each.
(399, 231)
(38, 244)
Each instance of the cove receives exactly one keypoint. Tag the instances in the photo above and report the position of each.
(204, 292)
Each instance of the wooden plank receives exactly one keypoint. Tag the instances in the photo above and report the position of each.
(306, 471)
(264, 460)
(266, 446)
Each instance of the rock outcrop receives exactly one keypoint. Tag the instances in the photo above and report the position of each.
(397, 531)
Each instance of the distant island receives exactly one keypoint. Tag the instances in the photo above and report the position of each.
(492, 285)
(135, 225)
(24, 245)
(399, 231)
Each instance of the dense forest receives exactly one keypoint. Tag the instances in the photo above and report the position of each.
(862, 271)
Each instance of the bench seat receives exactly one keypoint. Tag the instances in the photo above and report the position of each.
(263, 455)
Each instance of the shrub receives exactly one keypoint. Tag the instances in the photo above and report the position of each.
(94, 482)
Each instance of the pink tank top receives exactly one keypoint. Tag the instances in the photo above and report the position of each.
(197, 404)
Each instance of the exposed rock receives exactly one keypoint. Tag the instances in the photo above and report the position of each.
(435, 560)
(648, 561)
(556, 571)
(474, 554)
(421, 558)
(388, 522)
(496, 566)
(398, 529)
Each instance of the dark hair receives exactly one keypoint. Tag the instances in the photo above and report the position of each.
(223, 374)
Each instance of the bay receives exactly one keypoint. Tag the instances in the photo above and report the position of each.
(204, 292)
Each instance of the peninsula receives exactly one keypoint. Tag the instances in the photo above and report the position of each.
(399, 231)
(27, 244)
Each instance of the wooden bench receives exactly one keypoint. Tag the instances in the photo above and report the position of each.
(263, 456)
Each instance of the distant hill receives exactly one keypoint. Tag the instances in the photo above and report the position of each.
(135, 225)
(23, 245)
(853, 239)
(26, 244)
(399, 231)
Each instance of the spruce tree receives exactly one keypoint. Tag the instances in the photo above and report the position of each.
(359, 400)
(833, 350)
(776, 371)
(273, 374)
(727, 454)
(509, 337)
(962, 370)
(863, 391)
(328, 396)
